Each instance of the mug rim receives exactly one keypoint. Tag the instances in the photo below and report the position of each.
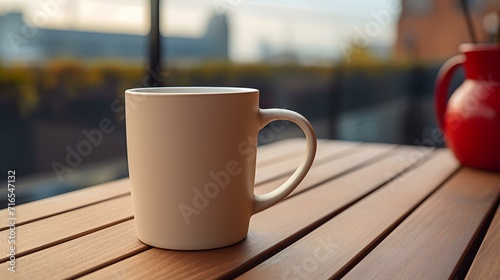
(183, 91)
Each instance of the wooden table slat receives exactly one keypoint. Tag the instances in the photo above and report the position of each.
(41, 260)
(364, 210)
(78, 256)
(113, 211)
(324, 172)
(431, 242)
(486, 264)
(269, 232)
(44, 208)
(324, 153)
(69, 225)
(278, 151)
(330, 249)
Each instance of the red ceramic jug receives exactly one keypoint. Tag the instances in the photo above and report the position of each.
(470, 119)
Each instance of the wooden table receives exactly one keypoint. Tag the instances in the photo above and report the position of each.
(364, 211)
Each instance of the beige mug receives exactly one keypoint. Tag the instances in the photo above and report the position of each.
(192, 158)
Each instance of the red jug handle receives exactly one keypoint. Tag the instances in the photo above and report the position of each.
(442, 84)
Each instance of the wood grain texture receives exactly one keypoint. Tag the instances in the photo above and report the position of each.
(331, 248)
(93, 256)
(78, 256)
(349, 202)
(40, 209)
(431, 242)
(281, 150)
(486, 264)
(323, 171)
(36, 210)
(325, 151)
(69, 225)
(270, 231)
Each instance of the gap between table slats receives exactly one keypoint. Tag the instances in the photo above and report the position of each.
(45, 208)
(90, 218)
(321, 173)
(37, 210)
(326, 152)
(108, 253)
(78, 256)
(436, 236)
(270, 231)
(486, 264)
(339, 243)
(468, 257)
(66, 226)
(283, 150)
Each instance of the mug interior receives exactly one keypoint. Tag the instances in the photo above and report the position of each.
(189, 90)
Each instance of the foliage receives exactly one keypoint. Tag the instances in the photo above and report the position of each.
(18, 87)
(29, 88)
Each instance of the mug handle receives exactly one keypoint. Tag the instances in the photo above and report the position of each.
(263, 201)
(442, 84)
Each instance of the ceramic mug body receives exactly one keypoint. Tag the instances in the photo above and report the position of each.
(191, 156)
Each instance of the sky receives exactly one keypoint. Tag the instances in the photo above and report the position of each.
(311, 28)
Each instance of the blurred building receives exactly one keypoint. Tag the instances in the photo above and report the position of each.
(432, 30)
(21, 43)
